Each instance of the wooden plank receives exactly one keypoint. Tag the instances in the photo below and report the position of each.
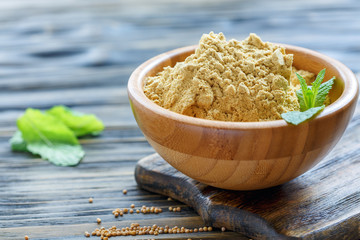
(81, 53)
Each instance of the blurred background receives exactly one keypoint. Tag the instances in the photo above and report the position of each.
(80, 53)
(94, 45)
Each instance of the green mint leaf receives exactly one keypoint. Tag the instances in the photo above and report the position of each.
(323, 92)
(301, 100)
(304, 89)
(319, 78)
(50, 138)
(81, 124)
(60, 154)
(296, 117)
(17, 142)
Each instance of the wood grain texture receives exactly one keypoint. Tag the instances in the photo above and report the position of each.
(244, 155)
(312, 206)
(81, 53)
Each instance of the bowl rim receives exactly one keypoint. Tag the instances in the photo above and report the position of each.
(135, 91)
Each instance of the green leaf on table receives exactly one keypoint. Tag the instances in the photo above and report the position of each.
(60, 154)
(50, 138)
(296, 117)
(81, 124)
(17, 142)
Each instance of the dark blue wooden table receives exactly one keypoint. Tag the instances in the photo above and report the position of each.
(81, 53)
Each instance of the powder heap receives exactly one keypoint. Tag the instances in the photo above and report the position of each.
(245, 81)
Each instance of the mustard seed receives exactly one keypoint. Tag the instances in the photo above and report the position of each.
(132, 205)
(125, 210)
(205, 229)
(169, 199)
(210, 229)
(137, 211)
(124, 191)
(26, 237)
(223, 229)
(131, 210)
(90, 200)
(170, 208)
(87, 234)
(195, 230)
(98, 220)
(178, 209)
(174, 209)
(116, 214)
(93, 233)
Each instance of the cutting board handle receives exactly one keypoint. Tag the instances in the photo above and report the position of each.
(154, 174)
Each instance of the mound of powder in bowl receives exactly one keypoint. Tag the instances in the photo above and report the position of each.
(245, 81)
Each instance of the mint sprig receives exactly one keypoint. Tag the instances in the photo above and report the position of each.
(311, 98)
(53, 134)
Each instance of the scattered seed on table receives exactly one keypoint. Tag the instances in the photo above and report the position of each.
(124, 191)
(98, 220)
(87, 234)
(26, 237)
(131, 210)
(223, 229)
(178, 209)
(132, 205)
(91, 200)
(209, 229)
(136, 229)
(170, 208)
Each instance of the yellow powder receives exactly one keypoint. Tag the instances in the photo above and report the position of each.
(247, 80)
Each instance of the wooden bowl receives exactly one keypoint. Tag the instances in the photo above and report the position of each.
(244, 155)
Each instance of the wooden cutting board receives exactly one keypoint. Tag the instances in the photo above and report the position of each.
(324, 203)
